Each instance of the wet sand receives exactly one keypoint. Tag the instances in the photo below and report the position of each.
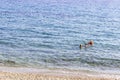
(9, 73)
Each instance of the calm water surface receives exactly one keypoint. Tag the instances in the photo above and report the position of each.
(45, 33)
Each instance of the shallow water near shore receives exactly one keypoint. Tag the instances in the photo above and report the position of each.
(47, 34)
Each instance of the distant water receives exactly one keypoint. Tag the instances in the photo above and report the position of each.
(47, 33)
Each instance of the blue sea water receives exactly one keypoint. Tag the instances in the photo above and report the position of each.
(47, 33)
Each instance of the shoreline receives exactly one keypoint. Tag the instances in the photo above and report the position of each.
(18, 73)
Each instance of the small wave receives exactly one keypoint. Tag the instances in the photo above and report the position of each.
(10, 44)
(7, 63)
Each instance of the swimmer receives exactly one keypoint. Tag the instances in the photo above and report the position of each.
(90, 43)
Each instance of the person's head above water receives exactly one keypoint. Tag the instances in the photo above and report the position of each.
(90, 43)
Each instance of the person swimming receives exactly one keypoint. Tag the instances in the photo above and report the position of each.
(90, 43)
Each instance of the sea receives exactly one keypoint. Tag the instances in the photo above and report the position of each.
(47, 34)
